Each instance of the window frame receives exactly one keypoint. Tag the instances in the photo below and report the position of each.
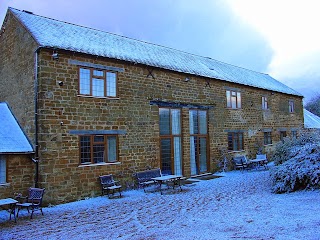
(197, 135)
(283, 134)
(170, 135)
(3, 158)
(265, 104)
(291, 106)
(234, 136)
(236, 95)
(103, 78)
(95, 143)
(267, 138)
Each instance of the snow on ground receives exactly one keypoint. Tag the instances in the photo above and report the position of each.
(236, 206)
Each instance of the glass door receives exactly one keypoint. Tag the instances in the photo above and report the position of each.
(198, 141)
(170, 141)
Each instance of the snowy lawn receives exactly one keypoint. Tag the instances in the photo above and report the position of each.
(237, 206)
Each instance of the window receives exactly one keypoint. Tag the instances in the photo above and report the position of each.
(98, 149)
(291, 106)
(98, 83)
(264, 103)
(170, 141)
(235, 141)
(233, 99)
(198, 123)
(294, 134)
(267, 138)
(283, 134)
(3, 169)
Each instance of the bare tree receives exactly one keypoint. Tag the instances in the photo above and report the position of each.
(314, 105)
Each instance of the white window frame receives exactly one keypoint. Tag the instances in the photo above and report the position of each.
(265, 105)
(233, 99)
(291, 106)
(98, 85)
(3, 169)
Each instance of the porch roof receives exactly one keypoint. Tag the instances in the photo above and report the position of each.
(12, 137)
(311, 120)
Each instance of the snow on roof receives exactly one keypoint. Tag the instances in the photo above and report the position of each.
(311, 120)
(12, 137)
(61, 35)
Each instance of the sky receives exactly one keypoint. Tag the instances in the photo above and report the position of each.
(277, 37)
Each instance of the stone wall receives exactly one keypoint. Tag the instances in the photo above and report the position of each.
(132, 113)
(17, 89)
(20, 175)
(17, 48)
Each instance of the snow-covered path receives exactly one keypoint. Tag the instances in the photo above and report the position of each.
(237, 206)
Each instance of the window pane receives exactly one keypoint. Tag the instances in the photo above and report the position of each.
(112, 149)
(176, 122)
(233, 100)
(230, 142)
(240, 139)
(238, 100)
(291, 106)
(3, 169)
(164, 123)
(98, 87)
(98, 138)
(166, 156)
(177, 156)
(85, 151)
(98, 153)
(228, 99)
(98, 73)
(203, 154)
(193, 153)
(84, 81)
(111, 84)
(235, 142)
(193, 118)
(202, 122)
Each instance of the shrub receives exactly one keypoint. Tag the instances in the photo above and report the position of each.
(301, 171)
(288, 148)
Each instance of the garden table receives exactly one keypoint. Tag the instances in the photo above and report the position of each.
(12, 206)
(175, 179)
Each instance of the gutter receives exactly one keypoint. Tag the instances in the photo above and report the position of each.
(36, 91)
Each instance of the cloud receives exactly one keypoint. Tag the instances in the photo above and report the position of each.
(291, 29)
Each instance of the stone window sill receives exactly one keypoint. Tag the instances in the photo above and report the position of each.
(4, 184)
(99, 164)
(90, 96)
(239, 151)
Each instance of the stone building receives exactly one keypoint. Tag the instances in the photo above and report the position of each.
(17, 168)
(95, 103)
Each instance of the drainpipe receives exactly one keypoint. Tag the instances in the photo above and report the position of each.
(36, 90)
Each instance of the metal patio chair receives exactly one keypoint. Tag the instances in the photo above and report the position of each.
(109, 185)
(32, 202)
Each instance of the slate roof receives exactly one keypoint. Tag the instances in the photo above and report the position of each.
(61, 35)
(12, 137)
(311, 120)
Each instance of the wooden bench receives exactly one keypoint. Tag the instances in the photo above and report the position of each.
(109, 185)
(144, 178)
